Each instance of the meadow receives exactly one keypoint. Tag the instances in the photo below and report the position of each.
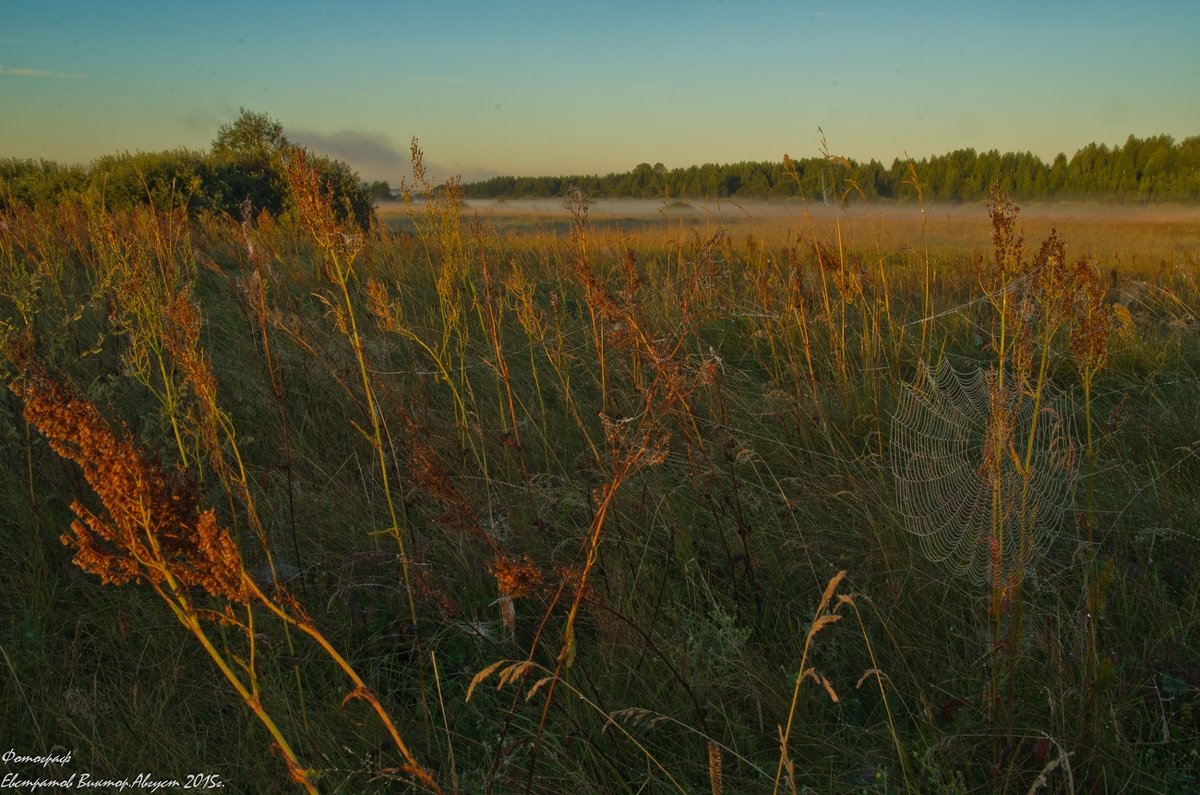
(869, 499)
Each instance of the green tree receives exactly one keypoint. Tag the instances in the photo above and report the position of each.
(379, 190)
(248, 154)
(250, 134)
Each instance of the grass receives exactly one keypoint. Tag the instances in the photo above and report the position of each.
(615, 466)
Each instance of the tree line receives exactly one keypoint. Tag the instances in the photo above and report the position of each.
(242, 169)
(1154, 169)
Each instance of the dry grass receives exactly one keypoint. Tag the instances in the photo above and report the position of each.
(610, 461)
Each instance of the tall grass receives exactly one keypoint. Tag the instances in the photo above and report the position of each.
(616, 469)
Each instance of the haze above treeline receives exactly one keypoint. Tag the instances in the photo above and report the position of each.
(243, 170)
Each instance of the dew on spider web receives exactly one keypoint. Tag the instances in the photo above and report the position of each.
(959, 446)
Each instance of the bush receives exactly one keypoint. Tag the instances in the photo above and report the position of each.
(244, 164)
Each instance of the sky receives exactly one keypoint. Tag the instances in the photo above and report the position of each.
(536, 88)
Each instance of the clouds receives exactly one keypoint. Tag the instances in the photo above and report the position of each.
(376, 156)
(19, 71)
(373, 155)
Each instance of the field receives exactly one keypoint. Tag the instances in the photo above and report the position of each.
(646, 499)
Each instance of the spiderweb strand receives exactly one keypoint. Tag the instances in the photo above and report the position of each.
(945, 483)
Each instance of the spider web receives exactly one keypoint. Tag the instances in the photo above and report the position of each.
(942, 432)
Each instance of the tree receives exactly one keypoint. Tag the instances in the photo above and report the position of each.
(347, 192)
(248, 154)
(255, 134)
(379, 190)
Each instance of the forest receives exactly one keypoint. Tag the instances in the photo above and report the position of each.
(1145, 170)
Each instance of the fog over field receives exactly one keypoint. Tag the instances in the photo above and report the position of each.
(731, 210)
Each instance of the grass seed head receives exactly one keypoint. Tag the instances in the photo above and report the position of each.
(517, 577)
(152, 528)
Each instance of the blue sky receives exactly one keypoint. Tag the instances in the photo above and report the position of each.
(553, 88)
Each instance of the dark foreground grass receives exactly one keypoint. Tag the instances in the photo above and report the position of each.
(573, 501)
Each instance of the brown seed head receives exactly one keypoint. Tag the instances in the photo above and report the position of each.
(151, 528)
(516, 577)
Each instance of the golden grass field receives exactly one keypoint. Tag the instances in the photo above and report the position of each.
(1139, 235)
